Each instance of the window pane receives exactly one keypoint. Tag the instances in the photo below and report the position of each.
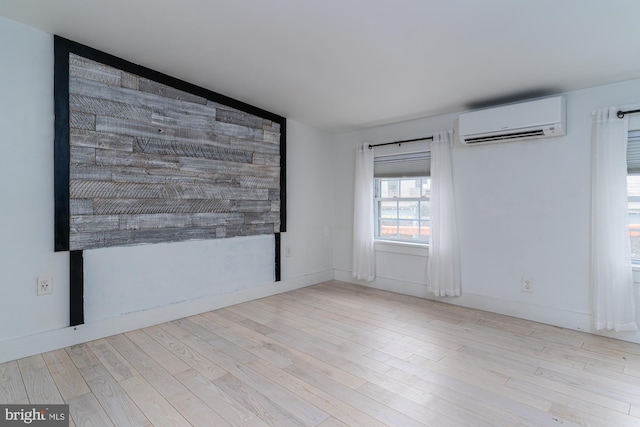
(408, 230)
(388, 209)
(389, 188)
(410, 188)
(426, 187)
(425, 231)
(408, 210)
(424, 210)
(633, 191)
(388, 228)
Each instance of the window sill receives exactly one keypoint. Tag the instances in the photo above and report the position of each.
(404, 248)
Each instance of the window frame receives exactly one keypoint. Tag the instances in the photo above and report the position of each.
(632, 155)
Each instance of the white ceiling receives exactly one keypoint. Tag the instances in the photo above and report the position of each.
(349, 64)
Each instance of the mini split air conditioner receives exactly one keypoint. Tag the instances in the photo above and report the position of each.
(541, 118)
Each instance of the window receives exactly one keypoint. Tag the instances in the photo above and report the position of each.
(402, 209)
(402, 197)
(633, 193)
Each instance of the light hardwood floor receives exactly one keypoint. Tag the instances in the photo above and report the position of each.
(336, 354)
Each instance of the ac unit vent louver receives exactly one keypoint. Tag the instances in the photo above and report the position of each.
(540, 118)
(514, 135)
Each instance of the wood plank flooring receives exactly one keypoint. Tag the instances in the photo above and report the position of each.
(337, 354)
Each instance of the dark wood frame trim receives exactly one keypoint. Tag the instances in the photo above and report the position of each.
(283, 176)
(61, 150)
(278, 257)
(62, 48)
(76, 288)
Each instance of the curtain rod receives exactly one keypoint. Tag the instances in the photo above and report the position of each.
(400, 142)
(620, 114)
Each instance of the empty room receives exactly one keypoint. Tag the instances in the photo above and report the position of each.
(320, 213)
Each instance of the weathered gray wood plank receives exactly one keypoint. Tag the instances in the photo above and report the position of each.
(128, 190)
(146, 85)
(136, 160)
(93, 223)
(215, 166)
(265, 159)
(88, 138)
(132, 128)
(191, 119)
(271, 183)
(190, 149)
(78, 171)
(272, 137)
(250, 230)
(253, 206)
(201, 220)
(84, 155)
(238, 131)
(219, 106)
(143, 222)
(80, 120)
(274, 194)
(270, 126)
(239, 118)
(255, 146)
(106, 107)
(129, 80)
(214, 219)
(81, 206)
(189, 122)
(261, 217)
(92, 70)
(134, 237)
(161, 175)
(157, 206)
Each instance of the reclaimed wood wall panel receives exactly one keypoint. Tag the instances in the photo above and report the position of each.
(150, 162)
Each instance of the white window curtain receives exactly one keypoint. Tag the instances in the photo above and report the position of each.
(363, 253)
(443, 266)
(611, 273)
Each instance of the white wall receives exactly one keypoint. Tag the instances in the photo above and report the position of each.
(131, 287)
(130, 279)
(26, 186)
(310, 204)
(523, 211)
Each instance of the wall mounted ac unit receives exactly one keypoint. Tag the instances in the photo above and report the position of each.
(541, 118)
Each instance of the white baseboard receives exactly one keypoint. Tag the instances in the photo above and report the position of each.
(549, 315)
(60, 338)
(385, 284)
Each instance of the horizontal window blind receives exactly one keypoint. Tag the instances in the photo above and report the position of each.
(401, 165)
(633, 152)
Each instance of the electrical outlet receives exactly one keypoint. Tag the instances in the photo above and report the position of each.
(527, 284)
(45, 285)
(287, 251)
